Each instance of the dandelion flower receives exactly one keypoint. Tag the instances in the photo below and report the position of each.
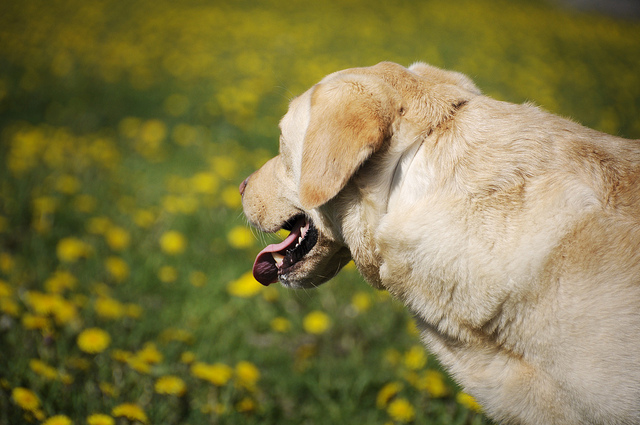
(218, 374)
(150, 354)
(58, 420)
(43, 369)
(247, 374)
(187, 357)
(100, 419)
(70, 250)
(167, 274)
(231, 197)
(240, 237)
(108, 308)
(469, 402)
(98, 225)
(6, 262)
(401, 410)
(415, 358)
(170, 385)
(433, 382)
(130, 411)
(144, 218)
(361, 301)
(117, 238)
(386, 393)
(60, 281)
(205, 183)
(67, 184)
(173, 242)
(26, 399)
(316, 322)
(93, 340)
(117, 268)
(280, 324)
(197, 279)
(246, 405)
(85, 203)
(245, 287)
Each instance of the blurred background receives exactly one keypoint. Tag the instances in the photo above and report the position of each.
(125, 129)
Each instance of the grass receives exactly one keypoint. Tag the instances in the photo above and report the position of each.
(125, 130)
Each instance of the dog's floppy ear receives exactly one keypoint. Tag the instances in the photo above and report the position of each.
(351, 117)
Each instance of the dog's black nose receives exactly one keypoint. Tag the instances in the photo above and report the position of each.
(243, 185)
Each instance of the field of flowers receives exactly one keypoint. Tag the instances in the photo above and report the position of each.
(125, 127)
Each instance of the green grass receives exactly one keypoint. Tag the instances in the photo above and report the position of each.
(122, 121)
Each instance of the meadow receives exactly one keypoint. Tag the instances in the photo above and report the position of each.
(125, 128)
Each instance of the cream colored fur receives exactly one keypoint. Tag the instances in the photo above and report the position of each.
(512, 234)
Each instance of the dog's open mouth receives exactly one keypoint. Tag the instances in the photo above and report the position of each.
(278, 259)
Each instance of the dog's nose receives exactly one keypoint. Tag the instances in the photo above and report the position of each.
(243, 185)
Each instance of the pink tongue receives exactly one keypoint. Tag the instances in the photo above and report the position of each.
(264, 268)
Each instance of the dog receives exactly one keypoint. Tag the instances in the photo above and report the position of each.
(512, 234)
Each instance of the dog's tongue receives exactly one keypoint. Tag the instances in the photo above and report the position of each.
(264, 268)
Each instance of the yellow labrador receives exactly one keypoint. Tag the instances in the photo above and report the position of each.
(512, 234)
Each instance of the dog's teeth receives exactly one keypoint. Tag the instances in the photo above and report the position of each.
(277, 257)
(299, 240)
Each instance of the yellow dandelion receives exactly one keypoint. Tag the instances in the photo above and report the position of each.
(246, 286)
(85, 203)
(117, 268)
(432, 382)
(218, 374)
(70, 250)
(117, 238)
(231, 197)
(25, 398)
(280, 324)
(6, 262)
(197, 279)
(109, 308)
(469, 402)
(246, 405)
(226, 167)
(401, 410)
(167, 274)
(187, 357)
(98, 225)
(60, 281)
(247, 374)
(100, 419)
(144, 218)
(361, 301)
(415, 358)
(5, 289)
(130, 411)
(58, 420)
(43, 369)
(133, 310)
(316, 322)
(150, 354)
(9, 306)
(170, 385)
(93, 340)
(108, 389)
(387, 392)
(173, 242)
(240, 237)
(67, 184)
(205, 183)
(32, 321)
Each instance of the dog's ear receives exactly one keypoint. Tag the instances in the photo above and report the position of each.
(351, 118)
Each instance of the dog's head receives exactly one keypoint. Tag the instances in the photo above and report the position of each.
(339, 141)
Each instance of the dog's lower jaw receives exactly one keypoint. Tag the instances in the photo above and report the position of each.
(317, 269)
